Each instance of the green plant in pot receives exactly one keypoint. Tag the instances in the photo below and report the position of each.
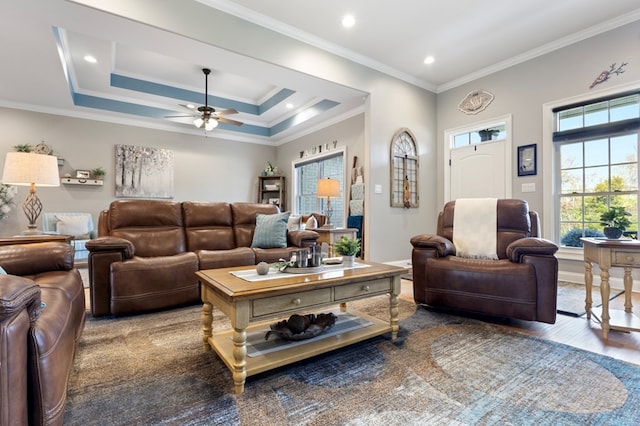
(98, 173)
(348, 249)
(615, 221)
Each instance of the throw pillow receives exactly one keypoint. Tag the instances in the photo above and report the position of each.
(312, 223)
(271, 230)
(294, 222)
(76, 226)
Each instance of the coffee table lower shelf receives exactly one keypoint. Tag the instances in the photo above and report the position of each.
(222, 344)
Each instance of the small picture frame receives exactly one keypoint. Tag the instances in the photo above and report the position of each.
(83, 174)
(275, 201)
(527, 160)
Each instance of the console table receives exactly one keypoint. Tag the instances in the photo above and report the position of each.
(606, 254)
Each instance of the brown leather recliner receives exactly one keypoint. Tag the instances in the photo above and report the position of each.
(521, 284)
(42, 315)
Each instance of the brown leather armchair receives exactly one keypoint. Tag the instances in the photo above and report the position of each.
(521, 284)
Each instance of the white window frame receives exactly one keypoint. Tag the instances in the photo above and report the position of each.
(549, 204)
(317, 157)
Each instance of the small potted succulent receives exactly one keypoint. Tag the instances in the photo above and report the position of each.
(348, 249)
(615, 221)
(98, 173)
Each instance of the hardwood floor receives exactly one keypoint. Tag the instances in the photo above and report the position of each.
(577, 332)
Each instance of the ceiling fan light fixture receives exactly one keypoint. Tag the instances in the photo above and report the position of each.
(198, 122)
(210, 124)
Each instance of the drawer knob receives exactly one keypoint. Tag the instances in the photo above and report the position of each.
(296, 301)
(365, 288)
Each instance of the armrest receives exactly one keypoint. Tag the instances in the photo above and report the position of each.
(35, 258)
(303, 238)
(441, 245)
(16, 294)
(111, 244)
(532, 246)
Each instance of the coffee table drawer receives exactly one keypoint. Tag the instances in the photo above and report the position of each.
(361, 289)
(289, 302)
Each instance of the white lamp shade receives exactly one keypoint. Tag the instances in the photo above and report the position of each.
(211, 124)
(328, 188)
(26, 168)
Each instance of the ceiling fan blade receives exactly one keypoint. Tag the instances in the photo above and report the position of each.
(229, 121)
(192, 108)
(227, 112)
(178, 116)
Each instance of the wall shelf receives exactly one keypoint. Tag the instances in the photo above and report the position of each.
(76, 181)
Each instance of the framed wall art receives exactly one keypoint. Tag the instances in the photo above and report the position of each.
(527, 160)
(143, 172)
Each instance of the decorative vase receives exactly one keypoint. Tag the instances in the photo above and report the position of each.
(612, 233)
(348, 260)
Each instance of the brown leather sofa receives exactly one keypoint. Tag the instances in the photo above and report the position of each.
(42, 314)
(521, 284)
(147, 251)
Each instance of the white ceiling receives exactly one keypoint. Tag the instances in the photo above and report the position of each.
(144, 74)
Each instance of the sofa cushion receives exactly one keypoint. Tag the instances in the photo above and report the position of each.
(77, 226)
(293, 224)
(271, 230)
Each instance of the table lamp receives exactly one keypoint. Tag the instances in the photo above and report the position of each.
(30, 169)
(328, 188)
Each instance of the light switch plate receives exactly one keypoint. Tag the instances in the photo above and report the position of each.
(377, 188)
(528, 187)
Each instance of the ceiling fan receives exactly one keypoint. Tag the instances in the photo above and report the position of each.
(208, 117)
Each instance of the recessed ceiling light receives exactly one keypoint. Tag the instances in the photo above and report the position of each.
(90, 59)
(429, 60)
(289, 105)
(348, 21)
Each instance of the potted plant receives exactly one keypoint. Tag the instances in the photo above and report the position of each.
(98, 173)
(348, 249)
(615, 221)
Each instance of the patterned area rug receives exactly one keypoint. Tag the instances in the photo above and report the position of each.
(571, 298)
(443, 369)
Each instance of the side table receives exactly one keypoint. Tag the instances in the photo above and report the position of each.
(608, 253)
(333, 235)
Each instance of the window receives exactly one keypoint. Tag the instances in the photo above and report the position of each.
(307, 173)
(596, 152)
(493, 133)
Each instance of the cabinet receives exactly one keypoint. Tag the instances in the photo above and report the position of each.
(272, 190)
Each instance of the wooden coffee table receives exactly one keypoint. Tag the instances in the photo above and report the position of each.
(249, 304)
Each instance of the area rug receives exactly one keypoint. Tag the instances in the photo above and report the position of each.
(443, 369)
(571, 298)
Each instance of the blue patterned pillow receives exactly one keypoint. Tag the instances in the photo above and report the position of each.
(271, 230)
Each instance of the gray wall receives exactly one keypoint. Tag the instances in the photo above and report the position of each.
(391, 104)
(522, 90)
(205, 169)
(348, 133)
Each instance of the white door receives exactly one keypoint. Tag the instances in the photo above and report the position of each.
(479, 171)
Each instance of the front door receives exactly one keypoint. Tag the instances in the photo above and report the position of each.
(478, 171)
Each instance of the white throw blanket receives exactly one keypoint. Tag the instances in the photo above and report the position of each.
(475, 227)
